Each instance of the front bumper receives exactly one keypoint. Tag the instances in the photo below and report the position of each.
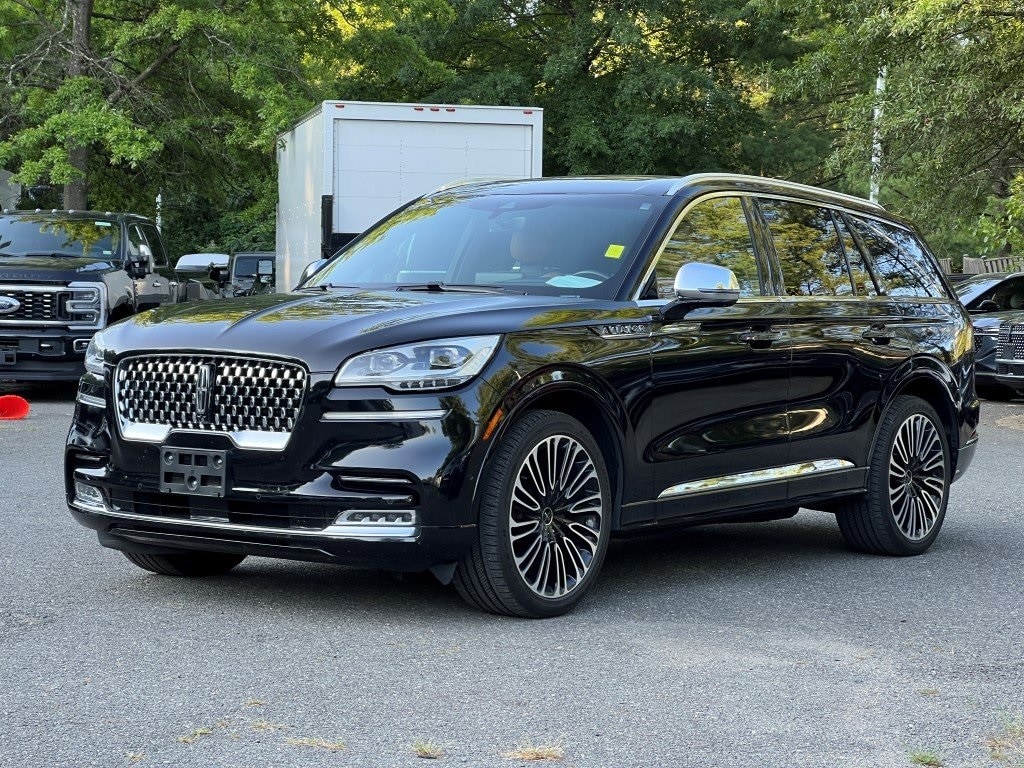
(53, 354)
(364, 480)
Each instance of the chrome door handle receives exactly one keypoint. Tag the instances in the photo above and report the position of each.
(157, 283)
(879, 334)
(753, 337)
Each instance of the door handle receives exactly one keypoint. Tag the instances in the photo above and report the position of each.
(760, 338)
(157, 283)
(879, 334)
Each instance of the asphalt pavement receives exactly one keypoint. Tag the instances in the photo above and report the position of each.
(740, 645)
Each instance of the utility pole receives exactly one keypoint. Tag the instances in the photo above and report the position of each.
(876, 137)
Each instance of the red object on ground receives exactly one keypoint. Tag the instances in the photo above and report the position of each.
(13, 407)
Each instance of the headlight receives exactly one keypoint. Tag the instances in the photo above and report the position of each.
(422, 366)
(85, 304)
(94, 354)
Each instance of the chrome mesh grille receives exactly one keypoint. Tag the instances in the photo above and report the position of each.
(210, 392)
(1011, 341)
(37, 306)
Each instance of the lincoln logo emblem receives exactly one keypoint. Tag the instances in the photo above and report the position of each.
(204, 380)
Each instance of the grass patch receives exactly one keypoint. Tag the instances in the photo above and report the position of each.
(926, 757)
(1007, 746)
(427, 749)
(332, 746)
(194, 736)
(528, 751)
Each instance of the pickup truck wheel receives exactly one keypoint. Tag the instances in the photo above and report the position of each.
(908, 484)
(187, 563)
(545, 517)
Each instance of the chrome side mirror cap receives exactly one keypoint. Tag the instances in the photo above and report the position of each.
(310, 270)
(701, 282)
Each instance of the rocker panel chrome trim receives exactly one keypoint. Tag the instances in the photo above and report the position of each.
(774, 474)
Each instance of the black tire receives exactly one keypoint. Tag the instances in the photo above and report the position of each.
(187, 563)
(996, 392)
(489, 577)
(902, 512)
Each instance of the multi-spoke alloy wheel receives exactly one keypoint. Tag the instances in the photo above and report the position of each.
(544, 519)
(556, 515)
(908, 484)
(917, 476)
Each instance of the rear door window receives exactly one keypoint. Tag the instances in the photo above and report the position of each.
(809, 249)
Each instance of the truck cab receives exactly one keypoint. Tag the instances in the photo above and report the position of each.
(65, 275)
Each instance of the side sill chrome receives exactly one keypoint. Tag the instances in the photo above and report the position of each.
(384, 416)
(92, 402)
(369, 532)
(773, 474)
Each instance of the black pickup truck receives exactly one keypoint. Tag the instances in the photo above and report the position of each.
(66, 274)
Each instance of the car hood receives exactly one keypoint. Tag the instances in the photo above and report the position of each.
(324, 329)
(63, 269)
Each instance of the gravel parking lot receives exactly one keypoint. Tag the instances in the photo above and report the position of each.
(740, 645)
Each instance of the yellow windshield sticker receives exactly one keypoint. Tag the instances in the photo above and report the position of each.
(614, 251)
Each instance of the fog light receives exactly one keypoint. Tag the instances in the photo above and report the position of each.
(372, 517)
(89, 497)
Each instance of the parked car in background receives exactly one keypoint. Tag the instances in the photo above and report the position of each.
(989, 298)
(253, 273)
(1009, 352)
(66, 274)
(500, 376)
(202, 276)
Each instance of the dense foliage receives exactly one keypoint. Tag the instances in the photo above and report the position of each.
(113, 101)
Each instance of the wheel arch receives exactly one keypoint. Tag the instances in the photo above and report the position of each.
(586, 398)
(936, 385)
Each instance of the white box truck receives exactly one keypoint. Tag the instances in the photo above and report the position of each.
(347, 164)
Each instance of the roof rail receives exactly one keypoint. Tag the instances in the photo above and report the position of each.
(471, 180)
(696, 178)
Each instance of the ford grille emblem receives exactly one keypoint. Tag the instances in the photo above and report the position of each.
(204, 382)
(8, 305)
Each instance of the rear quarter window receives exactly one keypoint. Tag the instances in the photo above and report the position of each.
(901, 263)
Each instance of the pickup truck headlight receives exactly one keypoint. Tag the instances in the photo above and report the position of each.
(425, 365)
(95, 353)
(85, 305)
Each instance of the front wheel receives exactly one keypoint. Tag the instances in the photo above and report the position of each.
(908, 484)
(186, 563)
(544, 520)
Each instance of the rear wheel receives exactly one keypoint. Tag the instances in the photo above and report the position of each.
(908, 484)
(186, 563)
(545, 516)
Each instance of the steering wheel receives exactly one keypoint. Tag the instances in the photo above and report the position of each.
(591, 274)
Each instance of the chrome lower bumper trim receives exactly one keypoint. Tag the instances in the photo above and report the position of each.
(347, 532)
(92, 402)
(384, 416)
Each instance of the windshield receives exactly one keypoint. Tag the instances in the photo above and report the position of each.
(554, 244)
(50, 236)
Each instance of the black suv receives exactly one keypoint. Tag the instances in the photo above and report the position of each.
(499, 376)
(66, 274)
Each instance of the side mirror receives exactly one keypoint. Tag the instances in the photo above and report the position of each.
(265, 267)
(140, 263)
(310, 270)
(986, 306)
(701, 285)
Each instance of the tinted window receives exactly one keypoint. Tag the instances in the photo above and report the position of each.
(714, 231)
(899, 259)
(50, 236)
(555, 244)
(810, 253)
(863, 283)
(156, 244)
(135, 242)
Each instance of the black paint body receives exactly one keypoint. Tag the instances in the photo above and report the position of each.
(681, 402)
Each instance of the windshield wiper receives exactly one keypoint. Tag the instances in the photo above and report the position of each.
(440, 287)
(324, 287)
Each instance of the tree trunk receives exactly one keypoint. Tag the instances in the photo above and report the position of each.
(76, 192)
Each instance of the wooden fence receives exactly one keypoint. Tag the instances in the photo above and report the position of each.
(974, 266)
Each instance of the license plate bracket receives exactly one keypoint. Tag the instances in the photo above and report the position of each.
(192, 471)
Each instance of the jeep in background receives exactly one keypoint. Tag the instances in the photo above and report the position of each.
(66, 274)
(253, 273)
